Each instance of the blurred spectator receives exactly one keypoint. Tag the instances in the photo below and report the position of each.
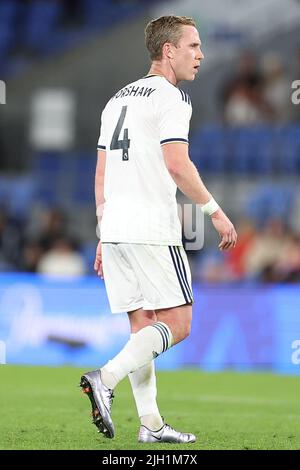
(271, 255)
(47, 240)
(235, 259)
(243, 99)
(246, 72)
(53, 226)
(32, 254)
(62, 260)
(265, 249)
(211, 268)
(276, 87)
(287, 266)
(240, 110)
(11, 239)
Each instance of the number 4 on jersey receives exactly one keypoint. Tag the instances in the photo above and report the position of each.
(123, 144)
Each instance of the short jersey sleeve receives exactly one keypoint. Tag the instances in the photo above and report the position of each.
(102, 140)
(174, 112)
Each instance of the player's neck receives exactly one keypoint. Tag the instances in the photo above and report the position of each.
(159, 69)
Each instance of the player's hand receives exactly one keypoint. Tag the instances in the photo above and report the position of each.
(225, 229)
(98, 261)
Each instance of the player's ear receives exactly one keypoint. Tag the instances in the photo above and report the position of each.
(167, 49)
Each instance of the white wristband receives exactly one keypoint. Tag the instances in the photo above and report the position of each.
(210, 207)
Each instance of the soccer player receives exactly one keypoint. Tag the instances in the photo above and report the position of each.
(142, 159)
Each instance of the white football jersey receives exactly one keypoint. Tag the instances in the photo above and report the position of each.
(140, 195)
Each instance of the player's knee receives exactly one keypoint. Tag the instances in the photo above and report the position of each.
(140, 318)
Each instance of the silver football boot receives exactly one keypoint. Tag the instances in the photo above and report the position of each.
(101, 398)
(165, 434)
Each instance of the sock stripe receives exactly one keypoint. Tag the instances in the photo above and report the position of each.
(185, 276)
(163, 335)
(167, 333)
(177, 272)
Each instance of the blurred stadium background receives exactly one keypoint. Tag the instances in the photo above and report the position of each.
(60, 61)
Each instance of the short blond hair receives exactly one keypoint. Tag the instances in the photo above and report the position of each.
(162, 30)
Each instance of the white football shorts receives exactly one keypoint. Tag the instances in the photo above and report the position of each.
(145, 276)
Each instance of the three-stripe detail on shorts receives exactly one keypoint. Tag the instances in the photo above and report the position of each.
(181, 273)
(164, 335)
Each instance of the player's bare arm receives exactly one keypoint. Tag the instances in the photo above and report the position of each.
(188, 180)
(99, 198)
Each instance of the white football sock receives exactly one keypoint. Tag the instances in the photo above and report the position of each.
(143, 384)
(154, 422)
(145, 345)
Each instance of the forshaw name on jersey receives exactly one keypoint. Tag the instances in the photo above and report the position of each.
(134, 91)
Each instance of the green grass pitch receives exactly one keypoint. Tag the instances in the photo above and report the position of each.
(42, 408)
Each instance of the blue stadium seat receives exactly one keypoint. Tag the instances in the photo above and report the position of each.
(8, 13)
(41, 19)
(6, 40)
(289, 144)
(46, 170)
(208, 149)
(99, 12)
(253, 150)
(88, 252)
(22, 196)
(103, 13)
(63, 39)
(271, 200)
(260, 150)
(17, 194)
(65, 178)
(83, 190)
(47, 161)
